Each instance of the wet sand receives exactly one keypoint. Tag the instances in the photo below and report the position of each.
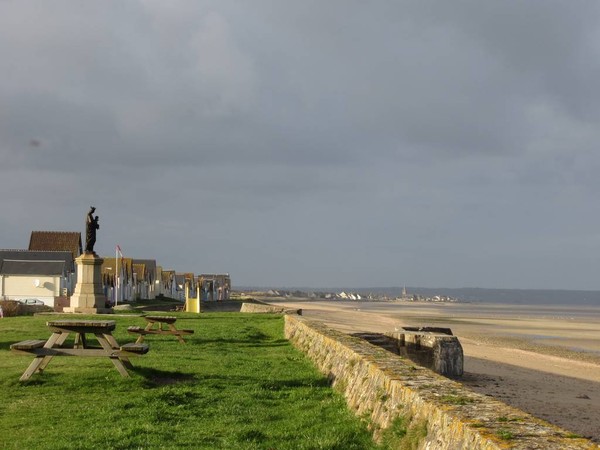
(543, 361)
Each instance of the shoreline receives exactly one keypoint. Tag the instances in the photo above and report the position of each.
(504, 357)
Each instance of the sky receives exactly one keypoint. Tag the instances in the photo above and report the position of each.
(309, 143)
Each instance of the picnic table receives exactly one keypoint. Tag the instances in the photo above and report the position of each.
(164, 325)
(45, 350)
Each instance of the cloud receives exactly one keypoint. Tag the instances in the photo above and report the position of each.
(306, 143)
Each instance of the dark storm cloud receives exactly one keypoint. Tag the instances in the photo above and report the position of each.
(311, 143)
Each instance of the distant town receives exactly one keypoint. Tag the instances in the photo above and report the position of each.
(343, 295)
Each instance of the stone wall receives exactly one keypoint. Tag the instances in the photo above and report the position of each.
(267, 309)
(412, 407)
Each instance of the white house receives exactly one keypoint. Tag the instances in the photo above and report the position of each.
(42, 275)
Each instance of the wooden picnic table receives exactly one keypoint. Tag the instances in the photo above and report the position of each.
(45, 350)
(164, 325)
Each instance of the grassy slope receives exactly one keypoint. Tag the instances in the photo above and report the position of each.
(236, 384)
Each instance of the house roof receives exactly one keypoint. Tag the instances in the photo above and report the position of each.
(16, 267)
(214, 276)
(167, 275)
(139, 270)
(63, 257)
(109, 267)
(57, 241)
(149, 268)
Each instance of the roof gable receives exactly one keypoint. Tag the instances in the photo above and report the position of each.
(140, 271)
(65, 258)
(57, 241)
(149, 267)
(125, 266)
(14, 267)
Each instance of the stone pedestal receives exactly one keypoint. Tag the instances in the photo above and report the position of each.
(88, 297)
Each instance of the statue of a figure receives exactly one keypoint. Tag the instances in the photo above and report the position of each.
(91, 225)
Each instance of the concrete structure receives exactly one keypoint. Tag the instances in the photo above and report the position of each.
(434, 348)
(434, 412)
(88, 297)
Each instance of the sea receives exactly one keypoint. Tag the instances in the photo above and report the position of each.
(528, 302)
(574, 315)
(478, 295)
(502, 296)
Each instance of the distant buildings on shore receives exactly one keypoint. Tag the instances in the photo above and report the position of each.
(343, 295)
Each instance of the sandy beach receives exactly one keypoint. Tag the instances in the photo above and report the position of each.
(545, 361)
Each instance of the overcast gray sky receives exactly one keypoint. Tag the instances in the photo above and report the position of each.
(310, 143)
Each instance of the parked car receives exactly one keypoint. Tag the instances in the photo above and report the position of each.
(32, 301)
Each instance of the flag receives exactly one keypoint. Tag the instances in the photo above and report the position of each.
(118, 253)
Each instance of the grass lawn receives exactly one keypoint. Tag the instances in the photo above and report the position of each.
(236, 384)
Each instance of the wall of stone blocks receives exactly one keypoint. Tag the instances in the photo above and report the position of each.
(384, 388)
(260, 308)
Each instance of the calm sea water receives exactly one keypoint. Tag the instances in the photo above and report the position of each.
(525, 297)
(504, 296)
(492, 309)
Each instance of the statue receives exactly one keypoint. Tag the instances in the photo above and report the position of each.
(91, 225)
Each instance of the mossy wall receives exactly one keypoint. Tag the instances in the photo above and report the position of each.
(411, 407)
(258, 308)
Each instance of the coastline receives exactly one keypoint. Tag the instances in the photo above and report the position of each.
(544, 364)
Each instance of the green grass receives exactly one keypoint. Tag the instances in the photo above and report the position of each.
(236, 384)
(405, 433)
(505, 435)
(453, 399)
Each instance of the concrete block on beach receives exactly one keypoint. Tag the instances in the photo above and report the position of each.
(434, 348)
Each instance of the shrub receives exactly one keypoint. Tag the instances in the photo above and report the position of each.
(10, 308)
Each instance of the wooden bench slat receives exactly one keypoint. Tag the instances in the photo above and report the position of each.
(163, 319)
(135, 348)
(29, 344)
(165, 332)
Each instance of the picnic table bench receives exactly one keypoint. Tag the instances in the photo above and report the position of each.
(45, 350)
(164, 325)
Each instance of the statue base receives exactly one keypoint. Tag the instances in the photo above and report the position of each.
(88, 297)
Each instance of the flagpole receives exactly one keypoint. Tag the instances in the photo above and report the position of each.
(117, 277)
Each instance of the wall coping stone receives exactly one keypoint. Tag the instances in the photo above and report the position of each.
(259, 308)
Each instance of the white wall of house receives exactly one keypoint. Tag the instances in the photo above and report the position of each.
(44, 288)
(159, 288)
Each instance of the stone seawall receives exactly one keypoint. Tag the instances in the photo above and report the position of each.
(263, 308)
(413, 407)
